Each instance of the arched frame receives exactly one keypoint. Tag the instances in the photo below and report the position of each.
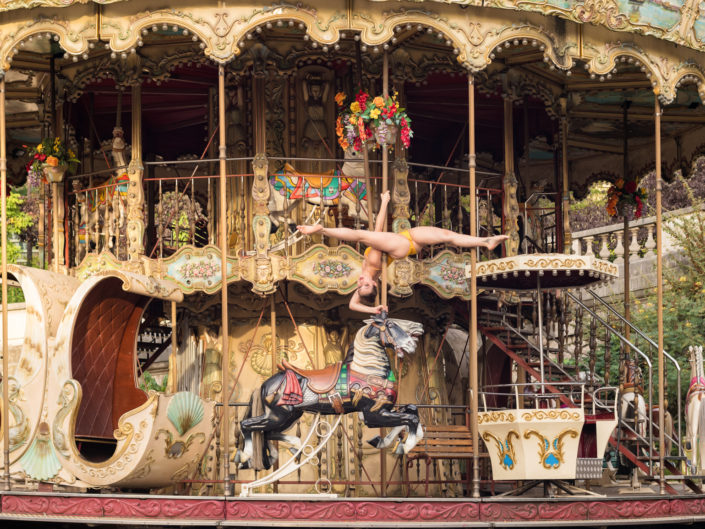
(475, 35)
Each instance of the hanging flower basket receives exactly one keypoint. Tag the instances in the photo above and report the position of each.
(625, 199)
(51, 158)
(367, 115)
(54, 173)
(385, 134)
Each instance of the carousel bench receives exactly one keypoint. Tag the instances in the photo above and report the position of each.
(443, 441)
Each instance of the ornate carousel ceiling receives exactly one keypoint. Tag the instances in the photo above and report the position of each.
(530, 59)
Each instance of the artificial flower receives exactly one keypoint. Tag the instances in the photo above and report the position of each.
(340, 98)
(378, 101)
(355, 107)
(52, 161)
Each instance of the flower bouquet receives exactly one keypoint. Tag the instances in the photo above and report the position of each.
(50, 158)
(367, 115)
(625, 197)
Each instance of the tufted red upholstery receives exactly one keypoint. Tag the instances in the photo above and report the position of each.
(102, 357)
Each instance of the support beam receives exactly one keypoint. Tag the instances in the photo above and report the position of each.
(659, 290)
(625, 173)
(222, 209)
(510, 204)
(564, 172)
(135, 172)
(472, 324)
(5, 348)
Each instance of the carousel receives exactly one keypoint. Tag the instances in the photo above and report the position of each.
(208, 185)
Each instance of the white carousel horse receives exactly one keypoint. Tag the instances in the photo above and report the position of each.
(633, 404)
(288, 188)
(363, 383)
(695, 410)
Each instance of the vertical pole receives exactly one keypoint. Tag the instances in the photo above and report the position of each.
(174, 349)
(383, 289)
(472, 353)
(659, 291)
(5, 349)
(273, 324)
(564, 171)
(55, 225)
(224, 282)
(625, 171)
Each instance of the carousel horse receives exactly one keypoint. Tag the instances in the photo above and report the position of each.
(364, 382)
(695, 410)
(633, 404)
(345, 188)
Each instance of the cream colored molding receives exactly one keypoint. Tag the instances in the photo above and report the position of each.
(477, 35)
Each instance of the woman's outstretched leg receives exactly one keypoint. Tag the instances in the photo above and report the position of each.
(428, 235)
(393, 244)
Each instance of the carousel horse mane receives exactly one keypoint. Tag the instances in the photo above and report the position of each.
(370, 357)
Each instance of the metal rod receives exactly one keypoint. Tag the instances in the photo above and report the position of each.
(5, 348)
(540, 316)
(473, 375)
(224, 282)
(383, 289)
(625, 171)
(659, 291)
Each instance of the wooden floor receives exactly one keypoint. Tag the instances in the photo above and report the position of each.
(310, 511)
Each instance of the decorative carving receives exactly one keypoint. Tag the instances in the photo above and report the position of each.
(494, 416)
(261, 224)
(400, 196)
(505, 449)
(542, 415)
(551, 452)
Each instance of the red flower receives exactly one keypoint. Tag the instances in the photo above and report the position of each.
(630, 186)
(42, 157)
(361, 98)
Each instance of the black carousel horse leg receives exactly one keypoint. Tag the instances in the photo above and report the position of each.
(271, 419)
(407, 417)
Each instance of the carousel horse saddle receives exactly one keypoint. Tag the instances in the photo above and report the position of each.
(320, 381)
(316, 181)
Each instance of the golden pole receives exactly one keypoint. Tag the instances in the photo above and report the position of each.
(472, 354)
(625, 237)
(5, 351)
(385, 174)
(173, 383)
(383, 290)
(224, 282)
(659, 291)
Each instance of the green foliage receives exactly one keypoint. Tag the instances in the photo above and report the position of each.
(151, 384)
(683, 297)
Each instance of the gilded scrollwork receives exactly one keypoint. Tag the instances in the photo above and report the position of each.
(494, 416)
(543, 415)
(551, 450)
(505, 448)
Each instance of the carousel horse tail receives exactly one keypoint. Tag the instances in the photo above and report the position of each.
(256, 408)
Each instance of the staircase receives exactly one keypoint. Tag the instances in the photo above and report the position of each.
(581, 335)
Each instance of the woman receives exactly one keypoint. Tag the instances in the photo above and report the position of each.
(396, 246)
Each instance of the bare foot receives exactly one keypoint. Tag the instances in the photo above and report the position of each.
(492, 242)
(309, 229)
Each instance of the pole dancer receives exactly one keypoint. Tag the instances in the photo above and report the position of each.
(396, 246)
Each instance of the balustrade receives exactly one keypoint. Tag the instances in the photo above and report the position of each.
(183, 210)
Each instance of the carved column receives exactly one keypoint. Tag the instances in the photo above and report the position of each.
(510, 205)
(135, 193)
(261, 224)
(400, 196)
(564, 170)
